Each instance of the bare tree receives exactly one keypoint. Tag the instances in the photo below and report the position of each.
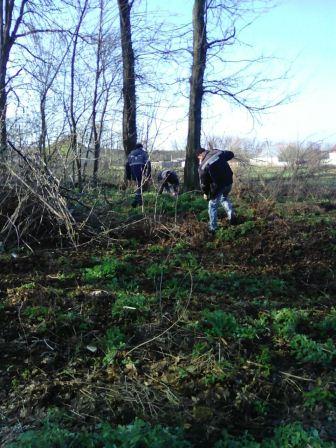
(196, 92)
(236, 86)
(106, 73)
(76, 149)
(10, 22)
(129, 110)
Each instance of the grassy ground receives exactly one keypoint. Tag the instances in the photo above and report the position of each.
(230, 339)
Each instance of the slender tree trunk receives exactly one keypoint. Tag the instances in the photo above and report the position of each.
(8, 35)
(4, 55)
(96, 134)
(129, 111)
(43, 134)
(3, 107)
(73, 120)
(191, 180)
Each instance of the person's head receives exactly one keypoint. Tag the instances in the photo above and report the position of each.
(139, 146)
(200, 154)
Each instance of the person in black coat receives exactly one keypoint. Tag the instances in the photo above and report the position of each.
(169, 182)
(216, 180)
(138, 168)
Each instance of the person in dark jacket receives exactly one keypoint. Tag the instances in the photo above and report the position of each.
(138, 168)
(169, 182)
(216, 180)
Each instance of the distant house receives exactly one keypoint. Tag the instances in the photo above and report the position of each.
(265, 159)
(332, 156)
(175, 163)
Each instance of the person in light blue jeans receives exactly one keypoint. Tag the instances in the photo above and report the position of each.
(223, 200)
(216, 180)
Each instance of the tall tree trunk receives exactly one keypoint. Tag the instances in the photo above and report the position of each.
(8, 35)
(129, 110)
(4, 56)
(196, 94)
(96, 134)
(3, 107)
(73, 120)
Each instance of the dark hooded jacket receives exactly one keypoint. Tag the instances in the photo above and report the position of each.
(138, 165)
(168, 177)
(214, 172)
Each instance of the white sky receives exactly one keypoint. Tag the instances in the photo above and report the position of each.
(301, 34)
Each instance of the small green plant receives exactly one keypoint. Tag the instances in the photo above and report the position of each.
(26, 286)
(129, 303)
(217, 323)
(220, 372)
(156, 270)
(156, 249)
(319, 396)
(306, 349)
(114, 341)
(264, 361)
(199, 348)
(36, 313)
(286, 320)
(328, 324)
(186, 261)
(260, 407)
(107, 269)
(110, 270)
(135, 435)
(287, 436)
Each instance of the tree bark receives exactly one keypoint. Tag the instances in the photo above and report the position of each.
(129, 130)
(191, 180)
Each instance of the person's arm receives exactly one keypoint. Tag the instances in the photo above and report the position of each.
(161, 187)
(128, 171)
(204, 181)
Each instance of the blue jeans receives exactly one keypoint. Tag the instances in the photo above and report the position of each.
(222, 199)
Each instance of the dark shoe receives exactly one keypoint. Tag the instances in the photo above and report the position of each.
(233, 220)
(212, 232)
(135, 204)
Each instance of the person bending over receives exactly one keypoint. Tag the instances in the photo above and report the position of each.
(169, 182)
(216, 180)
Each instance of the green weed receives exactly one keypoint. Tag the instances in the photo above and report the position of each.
(308, 350)
(135, 435)
(319, 396)
(328, 324)
(156, 270)
(111, 269)
(199, 348)
(286, 321)
(114, 341)
(128, 303)
(289, 436)
(36, 313)
(217, 323)
(26, 286)
(221, 371)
